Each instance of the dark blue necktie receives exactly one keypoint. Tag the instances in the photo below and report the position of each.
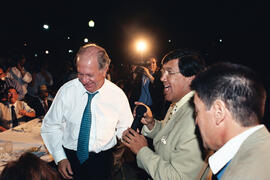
(14, 117)
(83, 141)
(221, 172)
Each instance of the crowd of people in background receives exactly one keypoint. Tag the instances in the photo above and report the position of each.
(23, 92)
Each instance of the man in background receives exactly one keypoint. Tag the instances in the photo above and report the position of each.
(42, 103)
(14, 111)
(147, 88)
(21, 75)
(6, 82)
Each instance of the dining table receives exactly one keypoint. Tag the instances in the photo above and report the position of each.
(23, 138)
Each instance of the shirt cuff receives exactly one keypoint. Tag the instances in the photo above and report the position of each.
(146, 130)
(58, 156)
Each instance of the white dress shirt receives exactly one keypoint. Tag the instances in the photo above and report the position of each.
(111, 115)
(5, 111)
(220, 158)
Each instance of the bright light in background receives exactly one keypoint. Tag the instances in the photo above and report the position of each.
(46, 26)
(141, 46)
(220, 40)
(85, 40)
(68, 37)
(91, 23)
(46, 52)
(36, 55)
(25, 44)
(70, 51)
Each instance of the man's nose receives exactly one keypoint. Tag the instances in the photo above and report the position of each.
(85, 78)
(163, 77)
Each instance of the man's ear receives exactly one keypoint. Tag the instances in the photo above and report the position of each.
(219, 108)
(190, 78)
(105, 70)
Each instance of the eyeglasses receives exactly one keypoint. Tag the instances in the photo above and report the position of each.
(168, 72)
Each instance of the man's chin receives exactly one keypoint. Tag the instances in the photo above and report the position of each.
(167, 97)
(90, 89)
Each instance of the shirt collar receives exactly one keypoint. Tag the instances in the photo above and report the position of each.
(100, 90)
(220, 158)
(41, 100)
(184, 99)
(9, 104)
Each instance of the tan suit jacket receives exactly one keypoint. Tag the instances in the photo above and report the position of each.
(252, 160)
(177, 155)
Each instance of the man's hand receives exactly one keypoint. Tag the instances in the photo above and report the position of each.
(23, 112)
(147, 73)
(28, 114)
(133, 140)
(65, 169)
(147, 118)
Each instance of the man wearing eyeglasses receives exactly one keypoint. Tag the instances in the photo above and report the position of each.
(178, 153)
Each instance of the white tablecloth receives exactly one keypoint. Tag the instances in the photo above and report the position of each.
(25, 137)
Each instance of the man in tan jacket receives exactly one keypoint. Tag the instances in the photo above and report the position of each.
(177, 154)
(229, 101)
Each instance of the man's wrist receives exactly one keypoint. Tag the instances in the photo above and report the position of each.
(151, 125)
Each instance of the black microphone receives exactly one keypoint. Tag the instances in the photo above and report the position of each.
(137, 124)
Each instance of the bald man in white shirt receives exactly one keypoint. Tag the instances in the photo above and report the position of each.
(110, 113)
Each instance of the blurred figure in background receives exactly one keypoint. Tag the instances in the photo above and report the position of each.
(147, 88)
(42, 103)
(68, 73)
(14, 111)
(21, 75)
(41, 77)
(6, 82)
(29, 167)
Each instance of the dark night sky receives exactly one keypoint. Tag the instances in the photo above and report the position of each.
(194, 24)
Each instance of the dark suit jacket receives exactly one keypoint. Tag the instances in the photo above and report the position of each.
(38, 107)
(252, 160)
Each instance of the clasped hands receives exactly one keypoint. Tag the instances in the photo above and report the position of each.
(23, 112)
(133, 139)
